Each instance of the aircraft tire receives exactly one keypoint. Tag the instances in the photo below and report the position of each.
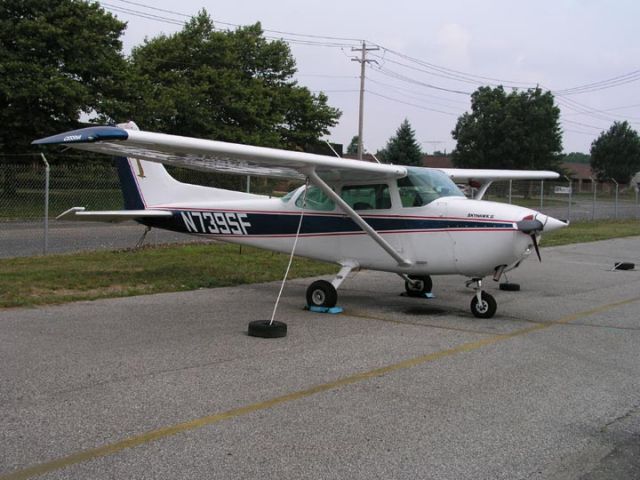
(322, 294)
(425, 285)
(485, 309)
(510, 287)
(266, 329)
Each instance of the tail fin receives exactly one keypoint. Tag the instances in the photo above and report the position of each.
(145, 184)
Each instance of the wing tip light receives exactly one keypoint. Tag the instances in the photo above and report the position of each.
(84, 135)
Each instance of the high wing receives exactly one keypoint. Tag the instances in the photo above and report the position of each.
(483, 178)
(459, 175)
(210, 155)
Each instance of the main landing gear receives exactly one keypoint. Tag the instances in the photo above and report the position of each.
(325, 294)
(417, 285)
(483, 305)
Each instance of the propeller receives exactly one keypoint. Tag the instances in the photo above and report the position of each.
(532, 227)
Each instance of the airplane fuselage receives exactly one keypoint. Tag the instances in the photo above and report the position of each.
(451, 235)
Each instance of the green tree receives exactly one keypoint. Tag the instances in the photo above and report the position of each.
(352, 149)
(577, 157)
(58, 58)
(225, 85)
(616, 153)
(519, 130)
(402, 148)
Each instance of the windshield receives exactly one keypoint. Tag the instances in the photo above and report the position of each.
(423, 185)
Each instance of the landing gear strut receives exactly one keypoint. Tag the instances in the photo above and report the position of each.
(483, 305)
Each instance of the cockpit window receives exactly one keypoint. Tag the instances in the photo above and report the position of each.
(316, 200)
(422, 186)
(367, 197)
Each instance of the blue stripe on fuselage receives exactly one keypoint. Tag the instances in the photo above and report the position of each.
(262, 224)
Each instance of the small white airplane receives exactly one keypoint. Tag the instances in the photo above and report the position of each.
(411, 221)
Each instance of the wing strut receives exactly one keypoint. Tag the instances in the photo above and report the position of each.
(403, 262)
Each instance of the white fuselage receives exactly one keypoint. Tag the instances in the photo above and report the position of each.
(451, 235)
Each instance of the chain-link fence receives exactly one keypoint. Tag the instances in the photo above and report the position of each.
(586, 200)
(32, 193)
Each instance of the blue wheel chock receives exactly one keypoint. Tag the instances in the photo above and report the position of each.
(333, 310)
(427, 295)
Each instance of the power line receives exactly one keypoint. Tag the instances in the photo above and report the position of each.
(235, 25)
(421, 97)
(436, 73)
(421, 94)
(459, 73)
(630, 77)
(422, 107)
(334, 41)
(398, 76)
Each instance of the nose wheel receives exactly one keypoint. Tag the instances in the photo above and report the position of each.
(483, 305)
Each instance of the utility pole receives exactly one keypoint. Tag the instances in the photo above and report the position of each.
(363, 60)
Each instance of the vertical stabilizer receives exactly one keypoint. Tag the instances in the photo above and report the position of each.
(148, 184)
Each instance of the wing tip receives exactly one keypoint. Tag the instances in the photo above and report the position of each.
(84, 135)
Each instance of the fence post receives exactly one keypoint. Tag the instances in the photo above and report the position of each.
(45, 247)
(541, 194)
(248, 183)
(594, 187)
(570, 197)
(616, 204)
(510, 184)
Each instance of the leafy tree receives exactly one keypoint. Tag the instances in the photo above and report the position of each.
(616, 153)
(58, 58)
(226, 85)
(518, 130)
(402, 148)
(577, 157)
(352, 149)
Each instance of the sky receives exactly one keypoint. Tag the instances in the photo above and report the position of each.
(434, 54)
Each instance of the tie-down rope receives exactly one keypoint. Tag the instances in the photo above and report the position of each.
(295, 243)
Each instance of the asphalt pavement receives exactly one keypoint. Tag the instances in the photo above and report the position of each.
(170, 385)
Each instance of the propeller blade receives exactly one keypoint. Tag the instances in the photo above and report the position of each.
(535, 245)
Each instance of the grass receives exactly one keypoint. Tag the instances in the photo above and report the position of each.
(55, 279)
(87, 276)
(30, 203)
(579, 232)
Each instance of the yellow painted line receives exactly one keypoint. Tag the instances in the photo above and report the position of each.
(136, 440)
(366, 316)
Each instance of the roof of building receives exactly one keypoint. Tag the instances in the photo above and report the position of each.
(579, 171)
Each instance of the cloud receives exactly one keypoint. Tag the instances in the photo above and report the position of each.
(454, 42)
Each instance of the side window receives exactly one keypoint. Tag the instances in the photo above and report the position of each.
(367, 197)
(316, 200)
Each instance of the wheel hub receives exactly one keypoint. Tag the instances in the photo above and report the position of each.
(318, 297)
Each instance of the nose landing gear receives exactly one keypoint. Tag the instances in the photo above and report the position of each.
(483, 305)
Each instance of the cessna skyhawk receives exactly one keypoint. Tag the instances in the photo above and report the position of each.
(414, 222)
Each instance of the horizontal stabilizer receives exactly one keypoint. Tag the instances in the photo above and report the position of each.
(110, 216)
